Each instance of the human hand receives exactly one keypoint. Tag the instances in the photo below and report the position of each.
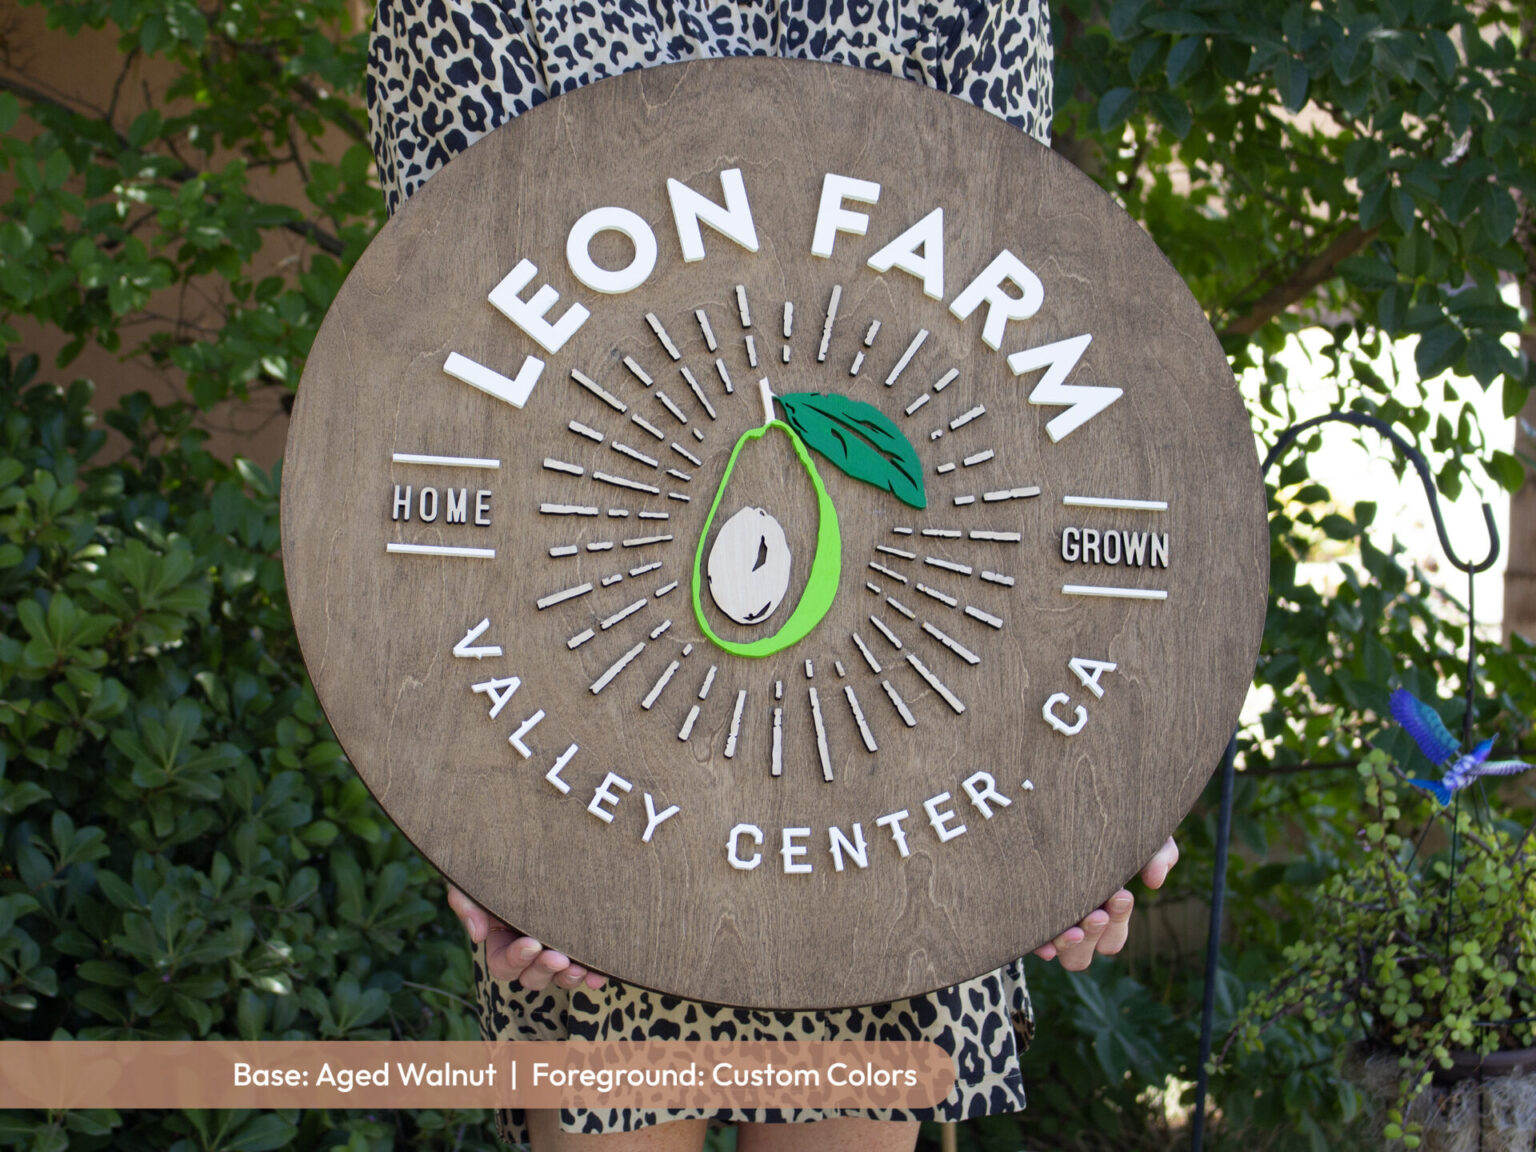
(510, 955)
(1103, 931)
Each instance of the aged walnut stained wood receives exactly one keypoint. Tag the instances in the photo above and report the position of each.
(491, 566)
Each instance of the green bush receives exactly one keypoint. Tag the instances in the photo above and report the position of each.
(186, 852)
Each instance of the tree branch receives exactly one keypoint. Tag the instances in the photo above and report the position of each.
(1301, 282)
(326, 241)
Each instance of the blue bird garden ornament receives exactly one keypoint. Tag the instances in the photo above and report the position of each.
(1443, 750)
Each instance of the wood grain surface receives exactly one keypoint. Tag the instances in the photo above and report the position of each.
(971, 589)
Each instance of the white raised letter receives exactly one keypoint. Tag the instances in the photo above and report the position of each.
(605, 795)
(857, 851)
(927, 233)
(654, 819)
(1001, 307)
(981, 787)
(940, 820)
(731, 854)
(790, 849)
(1089, 671)
(832, 217)
(610, 219)
(1058, 360)
(734, 221)
(1057, 722)
(893, 822)
(529, 314)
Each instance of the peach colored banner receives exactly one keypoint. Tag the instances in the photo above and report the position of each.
(382, 1074)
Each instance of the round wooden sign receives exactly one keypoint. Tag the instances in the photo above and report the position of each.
(775, 533)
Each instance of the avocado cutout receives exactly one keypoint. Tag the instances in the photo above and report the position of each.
(859, 440)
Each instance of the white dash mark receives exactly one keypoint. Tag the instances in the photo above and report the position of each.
(642, 541)
(789, 319)
(687, 455)
(826, 327)
(567, 510)
(906, 357)
(599, 391)
(600, 546)
(554, 465)
(952, 644)
(858, 362)
(687, 729)
(936, 434)
(661, 334)
(902, 531)
(1028, 785)
(884, 571)
(976, 613)
(683, 476)
(579, 639)
(901, 705)
(837, 666)
(946, 380)
(440, 550)
(687, 648)
(618, 513)
(895, 552)
(665, 588)
(965, 418)
(581, 429)
(553, 775)
(778, 689)
(679, 496)
(822, 752)
(660, 628)
(936, 684)
(698, 434)
(978, 458)
(698, 392)
(1011, 494)
(943, 533)
(1112, 502)
(752, 351)
(621, 482)
(900, 607)
(655, 515)
(916, 404)
(493, 383)
(564, 550)
(778, 741)
(945, 469)
(562, 596)
(644, 568)
(730, 739)
(948, 565)
(786, 353)
(626, 450)
(869, 657)
(962, 501)
(874, 330)
(709, 680)
(666, 402)
(616, 667)
(648, 426)
(741, 306)
(609, 581)
(465, 649)
(623, 613)
(858, 718)
(872, 586)
(1120, 593)
(527, 726)
(709, 333)
(725, 377)
(997, 578)
(661, 682)
(886, 632)
(810, 670)
(997, 537)
(446, 461)
(640, 373)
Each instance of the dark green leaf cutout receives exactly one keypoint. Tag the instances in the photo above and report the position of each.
(860, 440)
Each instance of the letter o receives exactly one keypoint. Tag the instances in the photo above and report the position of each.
(611, 219)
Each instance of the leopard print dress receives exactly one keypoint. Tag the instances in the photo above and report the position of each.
(443, 73)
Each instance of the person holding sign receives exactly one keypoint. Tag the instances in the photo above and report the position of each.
(443, 73)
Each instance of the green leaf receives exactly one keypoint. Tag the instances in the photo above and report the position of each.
(1499, 214)
(1439, 349)
(1115, 107)
(1507, 470)
(860, 440)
